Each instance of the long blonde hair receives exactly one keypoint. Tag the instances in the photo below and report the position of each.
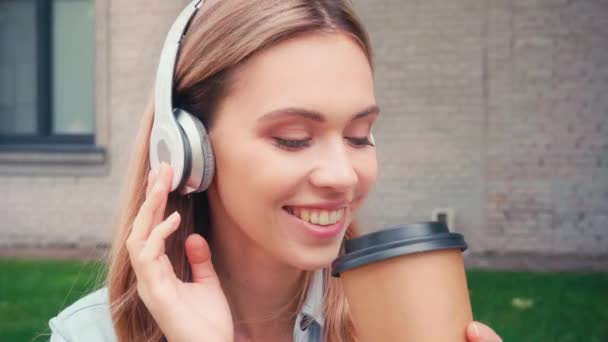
(221, 37)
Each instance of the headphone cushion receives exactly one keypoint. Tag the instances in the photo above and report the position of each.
(200, 162)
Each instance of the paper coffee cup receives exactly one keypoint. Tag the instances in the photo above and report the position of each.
(407, 283)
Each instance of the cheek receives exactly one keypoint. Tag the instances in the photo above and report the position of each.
(255, 178)
(367, 171)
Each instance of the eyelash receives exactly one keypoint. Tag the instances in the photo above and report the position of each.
(296, 144)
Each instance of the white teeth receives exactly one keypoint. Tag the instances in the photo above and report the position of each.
(304, 215)
(314, 217)
(324, 218)
(333, 216)
(319, 217)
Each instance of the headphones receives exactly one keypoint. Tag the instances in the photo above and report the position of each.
(178, 137)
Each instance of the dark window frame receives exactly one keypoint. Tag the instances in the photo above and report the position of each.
(44, 130)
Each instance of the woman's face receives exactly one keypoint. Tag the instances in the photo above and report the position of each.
(291, 141)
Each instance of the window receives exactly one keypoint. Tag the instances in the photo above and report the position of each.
(47, 72)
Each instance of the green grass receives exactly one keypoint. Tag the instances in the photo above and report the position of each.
(31, 292)
(524, 306)
(520, 306)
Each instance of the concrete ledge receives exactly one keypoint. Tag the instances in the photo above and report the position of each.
(537, 262)
(489, 261)
(55, 157)
(53, 160)
(64, 252)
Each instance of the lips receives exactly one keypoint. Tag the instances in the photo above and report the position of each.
(319, 217)
(318, 232)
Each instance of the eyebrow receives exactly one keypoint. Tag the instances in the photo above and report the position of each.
(311, 114)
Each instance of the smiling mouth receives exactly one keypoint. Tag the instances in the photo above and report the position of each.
(316, 216)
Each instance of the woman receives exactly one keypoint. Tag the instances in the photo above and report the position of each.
(286, 91)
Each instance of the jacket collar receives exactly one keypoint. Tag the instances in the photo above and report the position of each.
(313, 304)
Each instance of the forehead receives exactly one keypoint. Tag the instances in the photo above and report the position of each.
(327, 72)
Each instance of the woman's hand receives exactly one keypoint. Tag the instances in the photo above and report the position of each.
(479, 332)
(196, 311)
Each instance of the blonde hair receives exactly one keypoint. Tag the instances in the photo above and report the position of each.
(221, 37)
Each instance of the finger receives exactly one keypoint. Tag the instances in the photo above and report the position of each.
(479, 332)
(152, 175)
(149, 265)
(145, 219)
(155, 245)
(165, 176)
(199, 256)
(167, 267)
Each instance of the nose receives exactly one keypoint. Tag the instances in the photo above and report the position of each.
(334, 169)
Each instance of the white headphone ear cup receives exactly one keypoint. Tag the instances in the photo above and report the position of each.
(167, 144)
(200, 159)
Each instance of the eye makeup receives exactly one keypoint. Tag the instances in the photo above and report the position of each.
(294, 132)
(292, 144)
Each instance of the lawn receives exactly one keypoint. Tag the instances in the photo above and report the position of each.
(520, 306)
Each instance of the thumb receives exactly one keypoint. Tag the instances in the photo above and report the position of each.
(479, 332)
(199, 256)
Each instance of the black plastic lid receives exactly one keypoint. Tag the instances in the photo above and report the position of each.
(396, 241)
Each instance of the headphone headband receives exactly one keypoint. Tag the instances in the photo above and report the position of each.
(178, 137)
(163, 104)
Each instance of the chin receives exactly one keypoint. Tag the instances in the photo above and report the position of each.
(311, 258)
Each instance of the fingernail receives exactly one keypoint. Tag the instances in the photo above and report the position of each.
(476, 330)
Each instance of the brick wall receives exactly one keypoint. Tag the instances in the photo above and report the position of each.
(495, 109)
(498, 110)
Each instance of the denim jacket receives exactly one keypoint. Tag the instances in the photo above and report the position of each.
(88, 319)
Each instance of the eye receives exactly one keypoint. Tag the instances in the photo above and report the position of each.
(292, 144)
(360, 142)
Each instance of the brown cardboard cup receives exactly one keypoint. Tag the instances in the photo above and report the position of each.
(407, 284)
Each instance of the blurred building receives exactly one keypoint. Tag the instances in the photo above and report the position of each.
(494, 117)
